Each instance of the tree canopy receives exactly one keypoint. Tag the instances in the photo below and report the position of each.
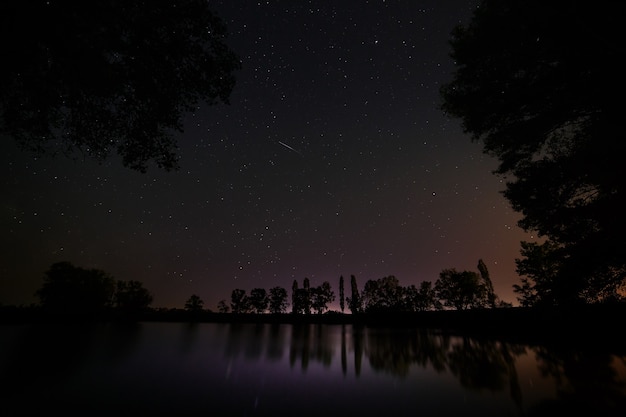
(131, 297)
(278, 300)
(239, 301)
(259, 300)
(354, 301)
(111, 75)
(71, 289)
(460, 290)
(384, 294)
(223, 307)
(342, 297)
(321, 296)
(537, 83)
(194, 304)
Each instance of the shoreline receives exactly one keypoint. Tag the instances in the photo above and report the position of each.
(595, 323)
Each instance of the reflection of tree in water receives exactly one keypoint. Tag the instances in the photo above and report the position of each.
(392, 351)
(120, 340)
(586, 382)
(235, 339)
(310, 342)
(344, 348)
(478, 365)
(189, 336)
(322, 345)
(254, 341)
(299, 347)
(431, 349)
(358, 344)
(486, 365)
(509, 354)
(275, 343)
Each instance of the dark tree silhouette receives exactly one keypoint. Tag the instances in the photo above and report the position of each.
(295, 305)
(538, 267)
(427, 297)
(537, 83)
(114, 75)
(410, 298)
(194, 304)
(71, 289)
(384, 294)
(259, 300)
(278, 300)
(306, 285)
(460, 290)
(322, 296)
(484, 274)
(354, 302)
(300, 300)
(301, 297)
(223, 307)
(342, 297)
(131, 297)
(239, 301)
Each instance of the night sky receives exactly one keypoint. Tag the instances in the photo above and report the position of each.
(333, 158)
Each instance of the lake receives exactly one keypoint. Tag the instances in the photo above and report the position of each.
(228, 369)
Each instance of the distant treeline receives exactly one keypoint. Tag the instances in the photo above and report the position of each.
(458, 300)
(458, 290)
(68, 289)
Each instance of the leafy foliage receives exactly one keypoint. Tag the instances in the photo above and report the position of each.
(223, 307)
(295, 301)
(278, 300)
(321, 296)
(342, 297)
(131, 296)
(259, 300)
(535, 82)
(240, 302)
(426, 298)
(110, 75)
(387, 295)
(460, 290)
(384, 294)
(354, 302)
(300, 298)
(306, 296)
(194, 304)
(484, 274)
(68, 288)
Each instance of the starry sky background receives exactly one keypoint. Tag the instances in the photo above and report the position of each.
(333, 158)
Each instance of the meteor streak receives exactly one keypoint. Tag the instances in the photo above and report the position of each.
(290, 148)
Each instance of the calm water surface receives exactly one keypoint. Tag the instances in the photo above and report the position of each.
(296, 370)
